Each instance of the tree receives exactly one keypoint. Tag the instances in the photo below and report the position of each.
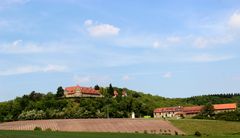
(110, 90)
(208, 110)
(35, 96)
(60, 92)
(96, 87)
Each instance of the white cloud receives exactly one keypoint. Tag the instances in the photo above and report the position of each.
(91, 79)
(81, 79)
(32, 69)
(21, 47)
(8, 3)
(101, 30)
(18, 47)
(88, 22)
(174, 39)
(200, 42)
(234, 21)
(167, 42)
(157, 44)
(126, 78)
(206, 42)
(167, 75)
(17, 42)
(209, 58)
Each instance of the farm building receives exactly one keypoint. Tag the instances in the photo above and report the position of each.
(167, 111)
(224, 107)
(78, 91)
(180, 111)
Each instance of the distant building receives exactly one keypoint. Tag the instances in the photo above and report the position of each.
(225, 107)
(115, 93)
(78, 91)
(181, 111)
(167, 111)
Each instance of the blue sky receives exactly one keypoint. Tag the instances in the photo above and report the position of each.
(169, 48)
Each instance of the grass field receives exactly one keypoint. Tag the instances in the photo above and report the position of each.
(34, 134)
(208, 127)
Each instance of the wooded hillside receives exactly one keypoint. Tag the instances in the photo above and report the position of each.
(37, 105)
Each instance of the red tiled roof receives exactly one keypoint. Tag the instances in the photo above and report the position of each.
(84, 90)
(168, 109)
(193, 109)
(225, 106)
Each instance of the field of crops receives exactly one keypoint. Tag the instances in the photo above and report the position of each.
(96, 125)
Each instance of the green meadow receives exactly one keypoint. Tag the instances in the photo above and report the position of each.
(40, 134)
(208, 127)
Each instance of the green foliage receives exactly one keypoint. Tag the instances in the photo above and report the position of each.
(228, 116)
(96, 87)
(48, 129)
(206, 113)
(37, 129)
(110, 91)
(197, 133)
(214, 99)
(60, 92)
(32, 115)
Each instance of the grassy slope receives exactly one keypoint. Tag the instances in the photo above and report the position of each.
(208, 127)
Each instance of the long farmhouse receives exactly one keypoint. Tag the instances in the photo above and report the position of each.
(180, 111)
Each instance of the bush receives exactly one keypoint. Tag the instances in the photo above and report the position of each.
(37, 129)
(197, 133)
(48, 129)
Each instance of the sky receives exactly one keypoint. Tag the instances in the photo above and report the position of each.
(170, 48)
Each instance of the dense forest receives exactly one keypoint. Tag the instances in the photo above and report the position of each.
(54, 106)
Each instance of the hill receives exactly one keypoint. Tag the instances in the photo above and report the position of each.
(37, 105)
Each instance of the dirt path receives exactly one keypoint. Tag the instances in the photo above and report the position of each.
(96, 125)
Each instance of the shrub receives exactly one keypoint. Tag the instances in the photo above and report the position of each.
(197, 133)
(48, 129)
(37, 129)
